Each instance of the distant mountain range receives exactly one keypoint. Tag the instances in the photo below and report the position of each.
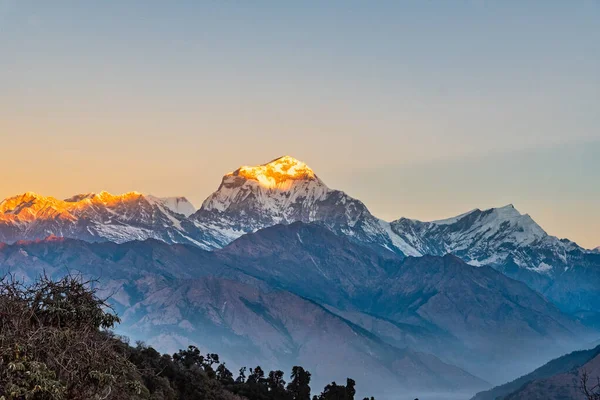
(277, 269)
(286, 190)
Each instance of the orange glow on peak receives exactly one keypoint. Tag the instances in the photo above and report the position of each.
(29, 206)
(107, 198)
(277, 173)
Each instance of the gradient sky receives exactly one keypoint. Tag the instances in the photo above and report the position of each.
(424, 109)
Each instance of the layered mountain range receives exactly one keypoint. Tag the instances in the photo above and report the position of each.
(286, 190)
(277, 268)
(300, 294)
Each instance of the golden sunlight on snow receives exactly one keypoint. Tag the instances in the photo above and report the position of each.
(30, 206)
(277, 173)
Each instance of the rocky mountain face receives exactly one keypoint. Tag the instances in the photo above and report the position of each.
(179, 205)
(286, 190)
(485, 238)
(557, 380)
(514, 244)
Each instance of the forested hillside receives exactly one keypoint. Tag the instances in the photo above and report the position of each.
(55, 344)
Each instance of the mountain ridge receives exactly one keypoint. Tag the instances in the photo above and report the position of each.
(286, 190)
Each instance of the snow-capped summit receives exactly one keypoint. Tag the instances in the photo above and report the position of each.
(505, 223)
(180, 205)
(488, 237)
(273, 187)
(283, 191)
(277, 174)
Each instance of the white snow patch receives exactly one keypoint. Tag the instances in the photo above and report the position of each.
(542, 268)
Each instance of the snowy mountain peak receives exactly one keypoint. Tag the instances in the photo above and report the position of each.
(30, 206)
(507, 211)
(521, 228)
(272, 187)
(104, 197)
(179, 205)
(284, 191)
(490, 236)
(524, 229)
(27, 197)
(108, 198)
(449, 221)
(279, 173)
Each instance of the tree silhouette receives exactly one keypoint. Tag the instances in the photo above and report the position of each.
(224, 376)
(299, 387)
(241, 376)
(256, 377)
(333, 391)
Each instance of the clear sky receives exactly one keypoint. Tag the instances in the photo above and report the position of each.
(424, 109)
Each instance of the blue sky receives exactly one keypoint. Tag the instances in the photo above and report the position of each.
(423, 109)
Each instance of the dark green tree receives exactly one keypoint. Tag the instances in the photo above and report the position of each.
(54, 343)
(224, 376)
(189, 357)
(256, 377)
(299, 387)
(276, 385)
(241, 376)
(333, 391)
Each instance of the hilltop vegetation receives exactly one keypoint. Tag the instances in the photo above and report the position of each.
(55, 344)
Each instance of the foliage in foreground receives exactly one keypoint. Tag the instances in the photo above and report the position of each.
(55, 344)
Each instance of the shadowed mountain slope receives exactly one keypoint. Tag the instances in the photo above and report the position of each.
(558, 379)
